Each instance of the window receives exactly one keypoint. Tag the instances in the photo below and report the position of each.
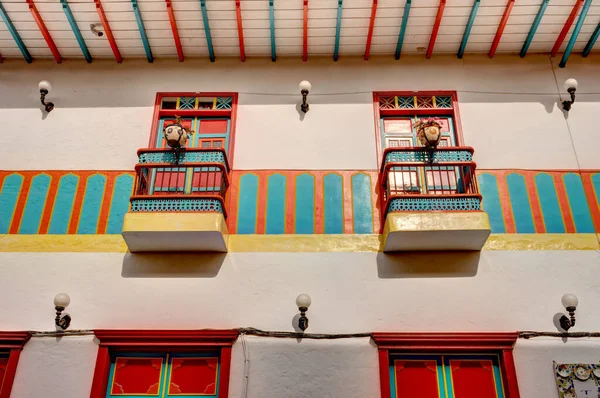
(11, 344)
(447, 365)
(164, 364)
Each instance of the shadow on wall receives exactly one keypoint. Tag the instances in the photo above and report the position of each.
(427, 264)
(172, 265)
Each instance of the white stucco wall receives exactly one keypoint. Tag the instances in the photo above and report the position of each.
(351, 292)
(509, 108)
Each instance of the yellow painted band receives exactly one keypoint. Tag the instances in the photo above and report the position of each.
(290, 243)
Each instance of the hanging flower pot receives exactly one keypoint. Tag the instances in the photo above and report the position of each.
(176, 136)
(429, 132)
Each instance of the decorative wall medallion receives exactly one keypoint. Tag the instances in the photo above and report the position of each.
(577, 380)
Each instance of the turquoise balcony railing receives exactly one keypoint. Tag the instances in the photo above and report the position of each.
(198, 182)
(414, 179)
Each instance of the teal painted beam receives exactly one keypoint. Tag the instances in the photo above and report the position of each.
(402, 29)
(590, 44)
(140, 23)
(211, 50)
(272, 23)
(465, 39)
(76, 31)
(338, 28)
(15, 34)
(576, 30)
(534, 27)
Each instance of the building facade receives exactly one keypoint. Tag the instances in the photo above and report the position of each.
(432, 273)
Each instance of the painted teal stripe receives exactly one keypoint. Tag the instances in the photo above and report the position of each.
(576, 30)
(15, 34)
(591, 42)
(402, 29)
(211, 50)
(578, 203)
(333, 193)
(534, 27)
(140, 24)
(546, 189)
(120, 203)
(338, 28)
(276, 189)
(488, 185)
(63, 205)
(465, 39)
(36, 200)
(305, 204)
(519, 201)
(75, 28)
(498, 379)
(92, 201)
(8, 200)
(248, 202)
(272, 24)
(362, 208)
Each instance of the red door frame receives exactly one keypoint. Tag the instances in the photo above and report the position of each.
(230, 113)
(12, 342)
(144, 340)
(500, 343)
(453, 112)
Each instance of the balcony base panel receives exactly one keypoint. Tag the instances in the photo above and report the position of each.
(419, 231)
(175, 232)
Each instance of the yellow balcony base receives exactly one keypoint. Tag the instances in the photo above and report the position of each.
(416, 231)
(175, 232)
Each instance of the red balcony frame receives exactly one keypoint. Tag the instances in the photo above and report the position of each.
(495, 343)
(12, 342)
(161, 340)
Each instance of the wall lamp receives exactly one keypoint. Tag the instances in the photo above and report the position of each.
(62, 301)
(569, 301)
(45, 88)
(571, 87)
(305, 87)
(303, 302)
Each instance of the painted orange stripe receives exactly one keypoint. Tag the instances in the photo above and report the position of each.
(261, 203)
(534, 200)
(106, 202)
(563, 201)
(348, 220)
(590, 194)
(232, 202)
(21, 202)
(375, 201)
(50, 199)
(290, 206)
(509, 221)
(78, 202)
(319, 205)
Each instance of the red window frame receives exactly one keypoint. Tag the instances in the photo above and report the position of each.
(12, 342)
(161, 340)
(453, 112)
(460, 343)
(230, 113)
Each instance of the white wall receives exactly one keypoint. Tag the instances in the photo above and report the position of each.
(103, 111)
(351, 292)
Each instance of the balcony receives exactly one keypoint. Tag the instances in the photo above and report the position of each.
(431, 200)
(178, 206)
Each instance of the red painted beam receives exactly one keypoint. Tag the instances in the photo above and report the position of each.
(436, 27)
(501, 27)
(565, 29)
(305, 33)
(371, 26)
(174, 29)
(108, 32)
(238, 13)
(42, 26)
